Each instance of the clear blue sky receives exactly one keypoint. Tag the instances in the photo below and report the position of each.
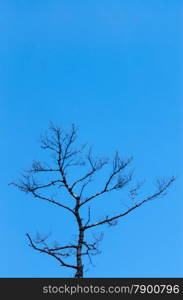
(115, 69)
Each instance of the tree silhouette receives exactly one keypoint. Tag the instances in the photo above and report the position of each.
(67, 156)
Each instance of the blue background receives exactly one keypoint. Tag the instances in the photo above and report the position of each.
(115, 69)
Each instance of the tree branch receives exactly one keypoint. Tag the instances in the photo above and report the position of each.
(38, 167)
(52, 201)
(122, 182)
(95, 165)
(118, 166)
(32, 245)
(63, 248)
(162, 189)
(47, 185)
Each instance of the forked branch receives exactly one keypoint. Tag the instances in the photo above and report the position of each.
(162, 189)
(52, 253)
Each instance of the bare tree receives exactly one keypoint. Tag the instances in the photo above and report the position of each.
(67, 156)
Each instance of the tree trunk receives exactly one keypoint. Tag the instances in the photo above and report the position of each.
(79, 273)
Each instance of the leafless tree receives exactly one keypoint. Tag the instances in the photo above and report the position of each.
(67, 156)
